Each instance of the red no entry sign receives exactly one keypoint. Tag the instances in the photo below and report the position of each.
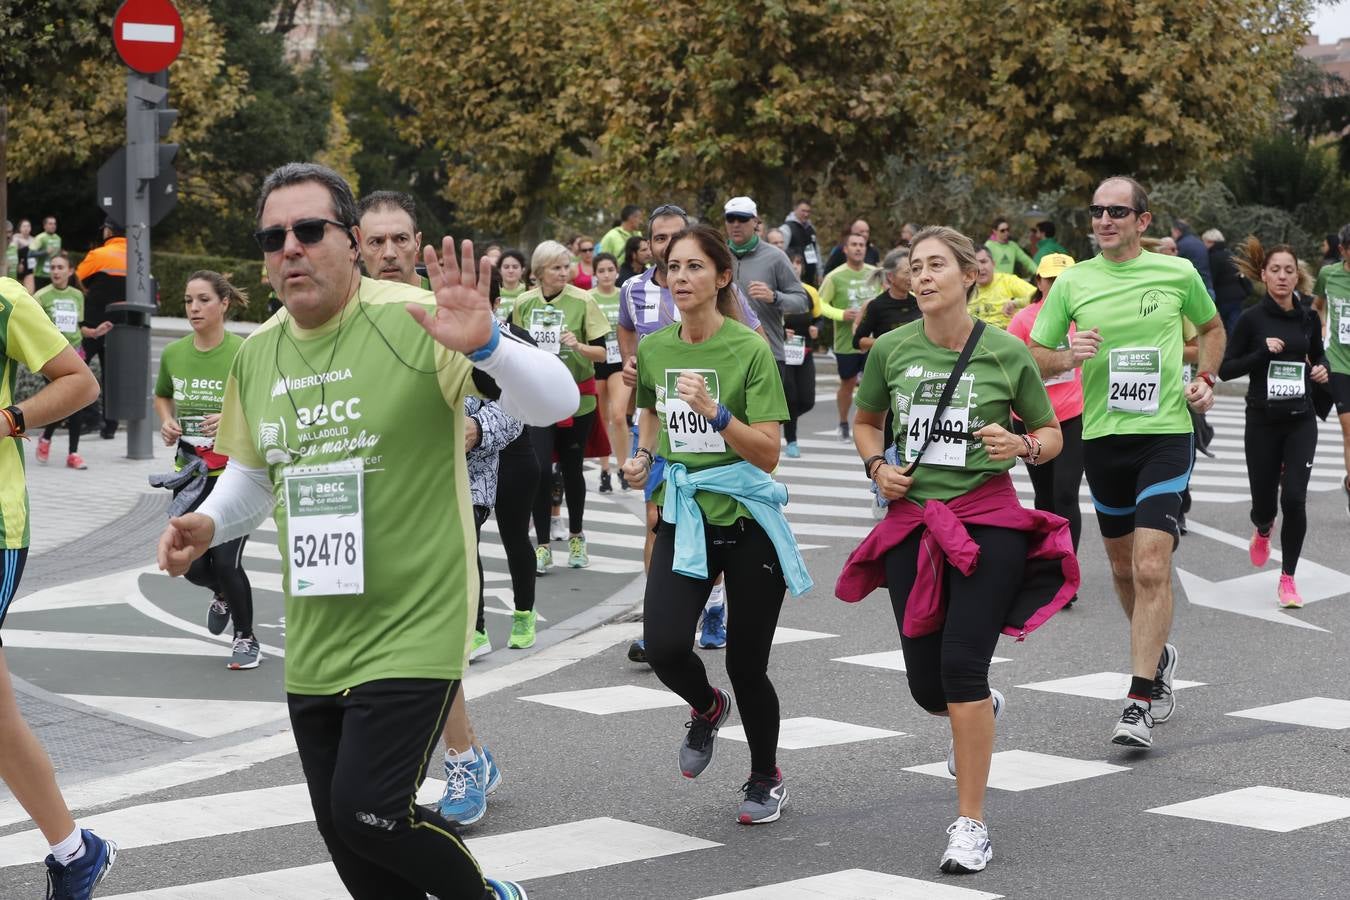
(148, 34)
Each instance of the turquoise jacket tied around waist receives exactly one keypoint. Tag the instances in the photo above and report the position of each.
(751, 486)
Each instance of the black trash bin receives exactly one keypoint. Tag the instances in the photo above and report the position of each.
(126, 383)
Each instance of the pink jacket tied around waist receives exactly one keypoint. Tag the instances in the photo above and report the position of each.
(1051, 577)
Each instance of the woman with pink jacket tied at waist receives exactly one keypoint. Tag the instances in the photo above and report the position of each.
(990, 565)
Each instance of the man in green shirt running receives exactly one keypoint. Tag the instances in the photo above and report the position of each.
(630, 224)
(342, 411)
(848, 287)
(1044, 236)
(1128, 305)
(1332, 293)
(1008, 254)
(45, 246)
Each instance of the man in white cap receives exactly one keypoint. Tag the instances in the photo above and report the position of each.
(763, 272)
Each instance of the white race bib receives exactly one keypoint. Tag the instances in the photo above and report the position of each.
(687, 431)
(809, 254)
(1136, 380)
(794, 350)
(65, 315)
(612, 354)
(192, 431)
(949, 446)
(1343, 324)
(325, 529)
(1284, 380)
(546, 329)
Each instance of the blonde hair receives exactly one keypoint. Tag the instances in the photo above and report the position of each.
(961, 246)
(546, 254)
(1214, 235)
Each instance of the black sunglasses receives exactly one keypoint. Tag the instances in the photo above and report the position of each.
(739, 218)
(585, 249)
(1115, 212)
(666, 209)
(307, 231)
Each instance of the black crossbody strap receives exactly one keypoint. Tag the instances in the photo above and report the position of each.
(947, 390)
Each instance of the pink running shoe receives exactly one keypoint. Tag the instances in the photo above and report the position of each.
(44, 450)
(1289, 596)
(75, 461)
(1259, 549)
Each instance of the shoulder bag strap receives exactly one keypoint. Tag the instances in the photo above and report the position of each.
(948, 389)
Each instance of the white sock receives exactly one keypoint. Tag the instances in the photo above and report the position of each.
(467, 757)
(717, 597)
(71, 849)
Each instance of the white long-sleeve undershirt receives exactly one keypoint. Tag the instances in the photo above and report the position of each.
(536, 389)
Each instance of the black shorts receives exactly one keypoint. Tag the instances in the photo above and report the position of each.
(1340, 392)
(604, 370)
(11, 573)
(1137, 479)
(850, 364)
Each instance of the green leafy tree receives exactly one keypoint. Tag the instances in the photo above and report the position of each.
(1053, 93)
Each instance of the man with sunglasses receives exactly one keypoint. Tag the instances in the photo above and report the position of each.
(1129, 306)
(763, 272)
(348, 406)
(1008, 254)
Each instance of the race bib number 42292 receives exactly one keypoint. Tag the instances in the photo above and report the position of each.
(1135, 380)
(325, 530)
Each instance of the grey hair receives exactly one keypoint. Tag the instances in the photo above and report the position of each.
(1345, 235)
(545, 255)
(388, 200)
(293, 173)
(1214, 235)
(889, 264)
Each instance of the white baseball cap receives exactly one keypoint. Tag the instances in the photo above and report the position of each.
(741, 206)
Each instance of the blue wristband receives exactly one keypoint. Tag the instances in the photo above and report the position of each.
(720, 421)
(485, 351)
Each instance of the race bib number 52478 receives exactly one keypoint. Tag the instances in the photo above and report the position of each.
(325, 528)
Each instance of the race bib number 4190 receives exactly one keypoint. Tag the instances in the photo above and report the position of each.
(1136, 380)
(325, 528)
(687, 431)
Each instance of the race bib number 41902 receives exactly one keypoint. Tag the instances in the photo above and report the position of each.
(687, 431)
(325, 530)
(1136, 380)
(950, 433)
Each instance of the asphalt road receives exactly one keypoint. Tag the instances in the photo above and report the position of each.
(1236, 800)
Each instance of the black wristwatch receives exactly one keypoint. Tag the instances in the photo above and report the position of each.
(17, 415)
(867, 463)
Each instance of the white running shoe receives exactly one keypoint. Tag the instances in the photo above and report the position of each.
(1135, 728)
(968, 847)
(557, 529)
(1164, 701)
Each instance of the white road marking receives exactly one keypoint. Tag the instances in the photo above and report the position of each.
(1020, 770)
(805, 732)
(203, 717)
(1266, 808)
(858, 884)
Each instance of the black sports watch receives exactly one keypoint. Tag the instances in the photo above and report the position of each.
(17, 415)
(867, 463)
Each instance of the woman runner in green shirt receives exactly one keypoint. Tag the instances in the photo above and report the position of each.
(609, 374)
(188, 398)
(64, 304)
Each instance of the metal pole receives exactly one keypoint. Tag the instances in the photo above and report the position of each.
(141, 163)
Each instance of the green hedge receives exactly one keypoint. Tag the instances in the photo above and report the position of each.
(171, 270)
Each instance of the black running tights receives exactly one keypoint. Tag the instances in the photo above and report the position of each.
(221, 571)
(1279, 461)
(570, 443)
(952, 665)
(755, 589)
(517, 489)
(1058, 481)
(364, 753)
(799, 387)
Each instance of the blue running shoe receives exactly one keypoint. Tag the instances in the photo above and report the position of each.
(464, 801)
(486, 771)
(506, 890)
(77, 880)
(714, 633)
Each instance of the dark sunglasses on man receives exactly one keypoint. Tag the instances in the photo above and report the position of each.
(1115, 212)
(739, 218)
(307, 232)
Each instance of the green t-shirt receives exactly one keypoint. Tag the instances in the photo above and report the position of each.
(581, 315)
(844, 288)
(741, 374)
(906, 373)
(26, 336)
(41, 251)
(609, 305)
(508, 301)
(614, 241)
(65, 309)
(1333, 284)
(368, 388)
(1133, 385)
(195, 381)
